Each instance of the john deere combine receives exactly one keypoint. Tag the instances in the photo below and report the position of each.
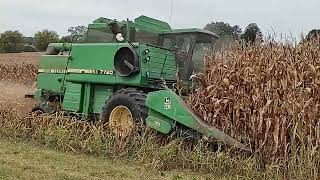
(119, 75)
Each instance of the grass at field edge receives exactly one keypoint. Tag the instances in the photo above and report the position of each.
(24, 160)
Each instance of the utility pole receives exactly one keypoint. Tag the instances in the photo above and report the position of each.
(171, 11)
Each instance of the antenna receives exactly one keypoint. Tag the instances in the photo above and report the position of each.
(171, 10)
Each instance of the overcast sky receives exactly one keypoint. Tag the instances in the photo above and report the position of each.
(280, 16)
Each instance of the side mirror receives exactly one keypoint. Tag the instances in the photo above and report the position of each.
(176, 49)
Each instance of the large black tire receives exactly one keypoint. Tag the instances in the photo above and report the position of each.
(43, 107)
(131, 98)
(38, 110)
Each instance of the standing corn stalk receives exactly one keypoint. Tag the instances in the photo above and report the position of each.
(265, 95)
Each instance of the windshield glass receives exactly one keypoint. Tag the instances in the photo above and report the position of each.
(183, 45)
(199, 52)
(182, 42)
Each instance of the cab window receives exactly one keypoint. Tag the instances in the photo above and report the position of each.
(182, 42)
(146, 37)
(199, 52)
(99, 35)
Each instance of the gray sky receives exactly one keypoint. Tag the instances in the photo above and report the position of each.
(281, 16)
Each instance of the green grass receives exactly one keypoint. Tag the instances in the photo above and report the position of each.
(23, 160)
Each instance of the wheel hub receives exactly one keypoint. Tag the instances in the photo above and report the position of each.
(121, 121)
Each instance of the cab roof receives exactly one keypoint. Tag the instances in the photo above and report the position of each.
(191, 30)
(160, 27)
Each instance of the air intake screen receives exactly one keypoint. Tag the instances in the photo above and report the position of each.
(126, 61)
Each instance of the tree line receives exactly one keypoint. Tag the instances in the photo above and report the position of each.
(14, 41)
(228, 34)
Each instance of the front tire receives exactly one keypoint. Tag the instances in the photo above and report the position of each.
(43, 107)
(125, 110)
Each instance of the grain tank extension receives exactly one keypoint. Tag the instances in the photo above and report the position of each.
(119, 73)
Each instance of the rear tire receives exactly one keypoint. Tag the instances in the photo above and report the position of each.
(125, 102)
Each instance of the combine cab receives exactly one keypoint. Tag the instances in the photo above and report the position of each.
(119, 74)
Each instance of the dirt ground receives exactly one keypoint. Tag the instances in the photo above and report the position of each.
(13, 94)
(14, 58)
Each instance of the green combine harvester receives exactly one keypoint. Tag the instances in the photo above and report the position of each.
(125, 74)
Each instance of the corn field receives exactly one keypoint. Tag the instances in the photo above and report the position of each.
(266, 96)
(19, 67)
(18, 73)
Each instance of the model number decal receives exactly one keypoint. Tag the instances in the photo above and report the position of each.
(109, 72)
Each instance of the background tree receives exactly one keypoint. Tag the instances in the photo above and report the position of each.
(11, 41)
(78, 33)
(315, 33)
(28, 44)
(224, 30)
(252, 33)
(28, 40)
(66, 39)
(227, 33)
(43, 38)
